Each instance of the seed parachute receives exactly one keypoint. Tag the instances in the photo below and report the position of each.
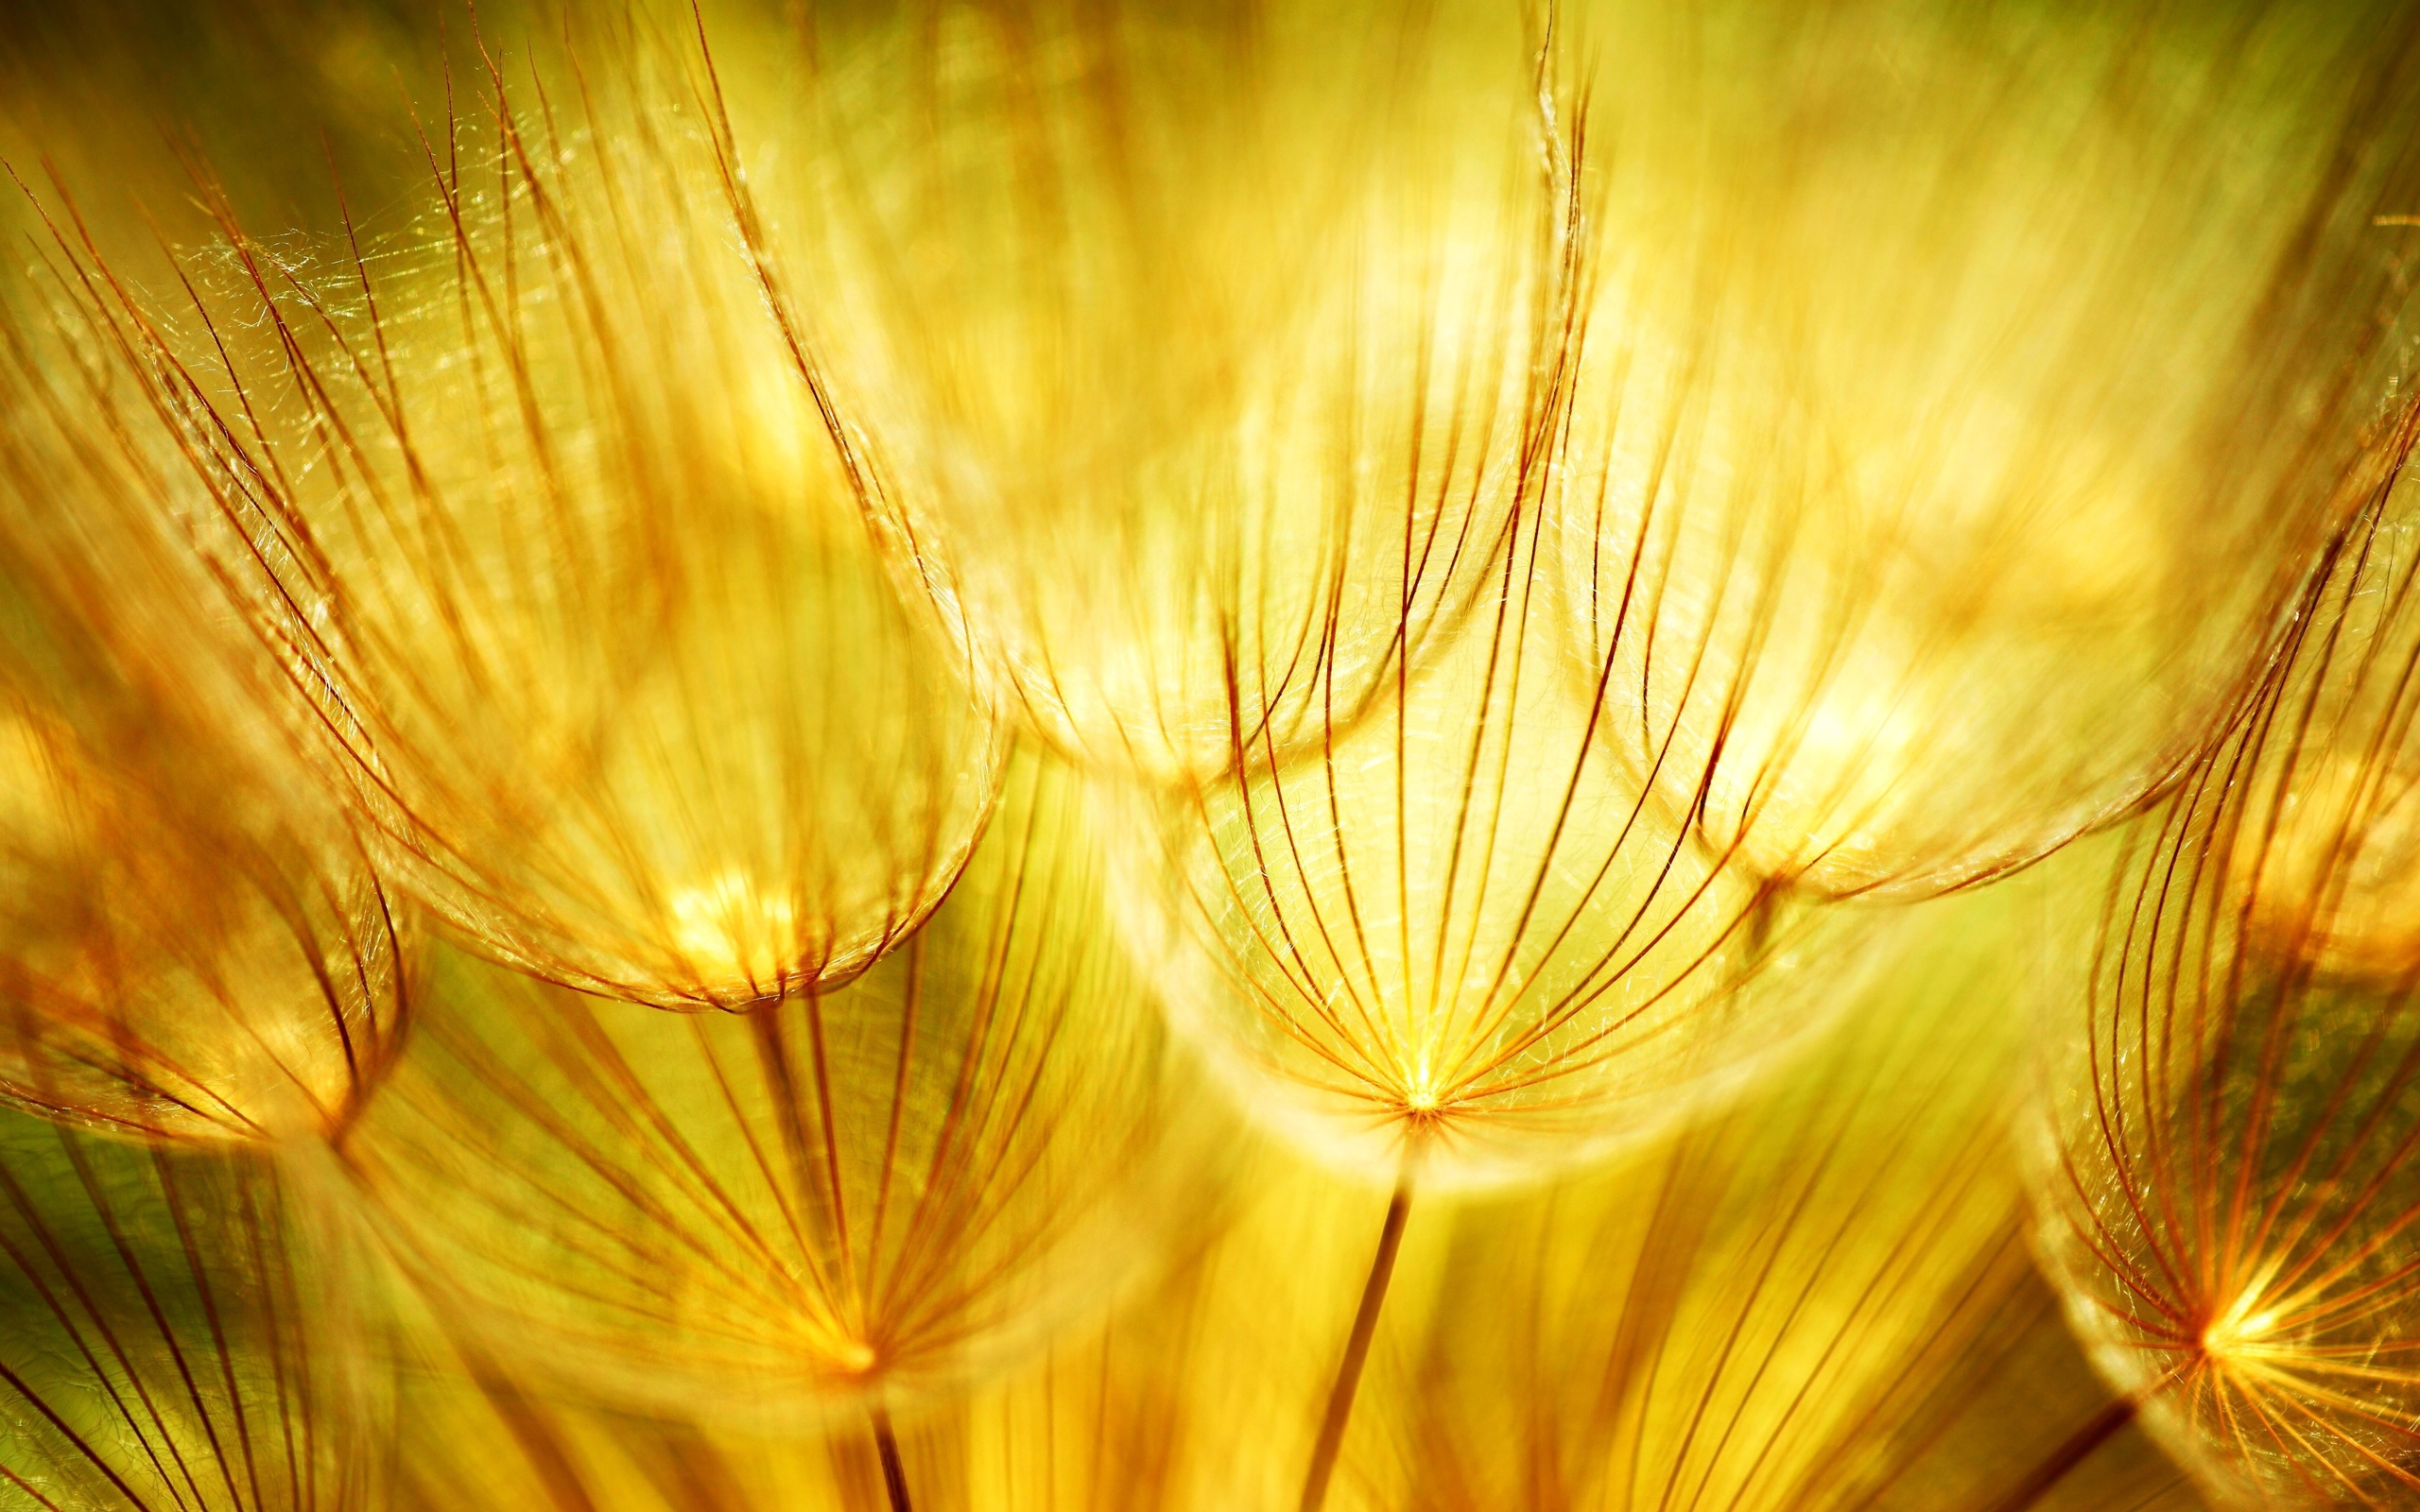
(1209, 756)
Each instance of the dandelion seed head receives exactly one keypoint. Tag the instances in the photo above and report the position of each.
(1158, 353)
(190, 950)
(1462, 938)
(1529, 509)
(872, 1191)
(565, 561)
(2230, 1195)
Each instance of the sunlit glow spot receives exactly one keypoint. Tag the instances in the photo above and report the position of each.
(854, 1356)
(730, 923)
(2239, 1330)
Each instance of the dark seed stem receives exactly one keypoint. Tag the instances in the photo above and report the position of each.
(2078, 1448)
(1356, 1349)
(894, 1476)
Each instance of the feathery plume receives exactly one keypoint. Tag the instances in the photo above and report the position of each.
(1504, 528)
(2228, 1180)
(1961, 403)
(852, 1200)
(1458, 942)
(529, 504)
(191, 947)
(1816, 1298)
(159, 1344)
(1197, 357)
(1459, 947)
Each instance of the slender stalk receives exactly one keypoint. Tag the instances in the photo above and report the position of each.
(894, 1476)
(2078, 1448)
(1356, 1349)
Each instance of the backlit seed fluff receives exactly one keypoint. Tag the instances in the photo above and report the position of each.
(563, 555)
(1199, 363)
(193, 946)
(1388, 732)
(1929, 489)
(1460, 941)
(2229, 1182)
(168, 1337)
(1789, 1306)
(849, 1199)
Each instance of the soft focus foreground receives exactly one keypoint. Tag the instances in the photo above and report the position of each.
(1423, 758)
